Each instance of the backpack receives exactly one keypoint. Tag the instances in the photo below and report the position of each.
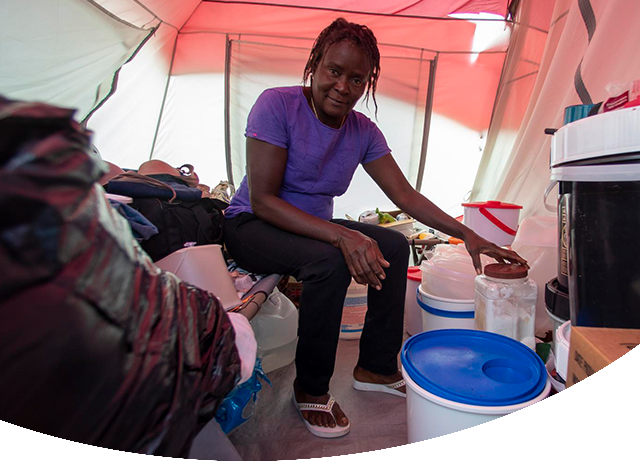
(196, 222)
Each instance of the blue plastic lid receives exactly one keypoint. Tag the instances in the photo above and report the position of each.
(474, 367)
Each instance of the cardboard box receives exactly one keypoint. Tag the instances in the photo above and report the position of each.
(592, 349)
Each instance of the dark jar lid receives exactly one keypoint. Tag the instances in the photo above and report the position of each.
(505, 271)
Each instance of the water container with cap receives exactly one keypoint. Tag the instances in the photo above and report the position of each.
(505, 302)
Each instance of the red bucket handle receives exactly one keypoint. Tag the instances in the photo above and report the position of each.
(502, 226)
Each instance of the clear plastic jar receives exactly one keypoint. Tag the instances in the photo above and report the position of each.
(505, 302)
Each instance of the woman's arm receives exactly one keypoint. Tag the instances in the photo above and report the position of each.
(386, 173)
(266, 165)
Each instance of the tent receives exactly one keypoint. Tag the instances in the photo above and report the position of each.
(467, 86)
(466, 90)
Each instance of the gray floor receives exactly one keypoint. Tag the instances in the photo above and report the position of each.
(277, 432)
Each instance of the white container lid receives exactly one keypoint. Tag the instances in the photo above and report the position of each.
(611, 133)
(597, 173)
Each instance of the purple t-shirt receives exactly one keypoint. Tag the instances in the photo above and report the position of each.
(321, 160)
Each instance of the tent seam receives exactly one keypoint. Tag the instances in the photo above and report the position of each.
(116, 75)
(588, 16)
(164, 96)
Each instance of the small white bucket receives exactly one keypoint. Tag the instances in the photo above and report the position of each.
(443, 313)
(412, 312)
(457, 379)
(493, 220)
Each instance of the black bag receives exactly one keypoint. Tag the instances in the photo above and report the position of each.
(181, 222)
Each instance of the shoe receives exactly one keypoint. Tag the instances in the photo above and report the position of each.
(386, 388)
(320, 431)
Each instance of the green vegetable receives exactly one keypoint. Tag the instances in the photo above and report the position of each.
(543, 350)
(385, 217)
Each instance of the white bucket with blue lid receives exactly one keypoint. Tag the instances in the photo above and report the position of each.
(457, 379)
(444, 313)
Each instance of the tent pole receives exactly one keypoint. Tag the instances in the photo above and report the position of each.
(427, 120)
(227, 109)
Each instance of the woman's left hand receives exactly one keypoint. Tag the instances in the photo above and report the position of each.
(476, 246)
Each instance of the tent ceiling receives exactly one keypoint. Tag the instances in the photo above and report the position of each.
(424, 8)
(403, 38)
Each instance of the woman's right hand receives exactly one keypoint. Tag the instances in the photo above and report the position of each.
(363, 257)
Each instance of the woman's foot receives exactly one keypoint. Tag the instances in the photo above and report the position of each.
(361, 375)
(319, 418)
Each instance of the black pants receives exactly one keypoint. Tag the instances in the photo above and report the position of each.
(262, 248)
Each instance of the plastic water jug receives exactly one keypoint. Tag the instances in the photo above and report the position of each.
(276, 329)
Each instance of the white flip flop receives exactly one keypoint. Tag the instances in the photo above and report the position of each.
(320, 431)
(375, 387)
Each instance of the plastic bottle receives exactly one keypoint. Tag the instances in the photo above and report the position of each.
(505, 302)
(276, 329)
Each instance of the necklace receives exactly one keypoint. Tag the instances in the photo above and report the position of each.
(313, 107)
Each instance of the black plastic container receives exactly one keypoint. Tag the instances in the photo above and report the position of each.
(604, 254)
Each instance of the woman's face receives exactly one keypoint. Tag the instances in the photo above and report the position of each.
(339, 81)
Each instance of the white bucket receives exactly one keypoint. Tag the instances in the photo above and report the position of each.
(354, 311)
(562, 344)
(205, 267)
(443, 313)
(472, 377)
(430, 416)
(412, 312)
(493, 220)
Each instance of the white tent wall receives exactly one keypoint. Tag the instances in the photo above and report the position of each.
(126, 126)
(192, 125)
(63, 52)
(517, 96)
(575, 69)
(181, 118)
(192, 118)
(248, 79)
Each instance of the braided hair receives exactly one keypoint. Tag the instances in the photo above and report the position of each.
(356, 34)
